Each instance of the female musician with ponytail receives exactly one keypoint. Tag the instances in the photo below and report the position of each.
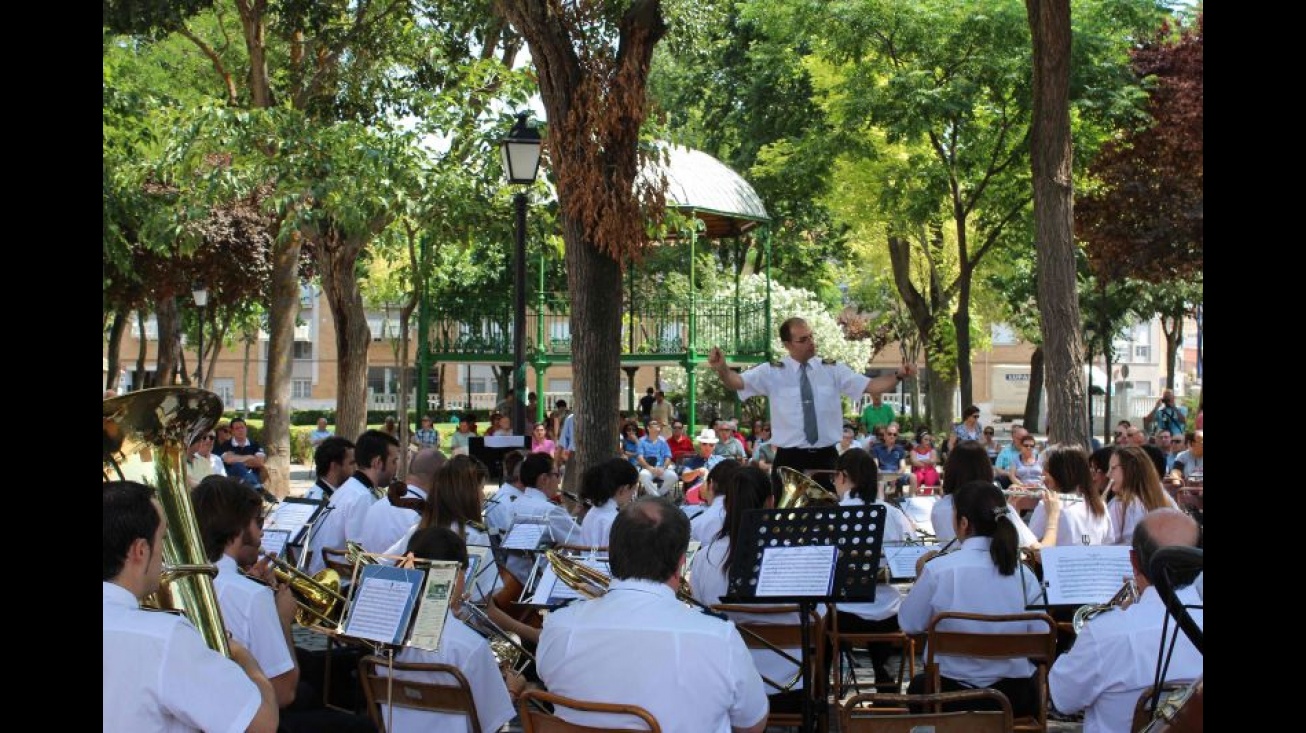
(984, 576)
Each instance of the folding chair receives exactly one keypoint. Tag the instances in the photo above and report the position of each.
(893, 713)
(1038, 647)
(534, 719)
(852, 640)
(436, 697)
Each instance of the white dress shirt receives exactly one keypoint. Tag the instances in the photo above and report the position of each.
(1074, 525)
(639, 645)
(470, 653)
(707, 525)
(597, 524)
(343, 521)
(941, 516)
(249, 611)
(534, 506)
(897, 528)
(1126, 516)
(499, 509)
(158, 675)
(383, 522)
(1114, 660)
(966, 580)
(781, 385)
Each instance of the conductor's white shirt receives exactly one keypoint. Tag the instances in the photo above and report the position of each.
(158, 675)
(1114, 660)
(967, 580)
(780, 382)
(249, 611)
(384, 523)
(639, 645)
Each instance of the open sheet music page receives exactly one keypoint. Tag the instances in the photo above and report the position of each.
(524, 535)
(1079, 574)
(428, 624)
(382, 603)
(901, 559)
(274, 541)
(293, 514)
(797, 571)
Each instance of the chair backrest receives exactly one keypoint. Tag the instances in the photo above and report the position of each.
(1038, 647)
(761, 635)
(1171, 691)
(893, 713)
(535, 720)
(436, 697)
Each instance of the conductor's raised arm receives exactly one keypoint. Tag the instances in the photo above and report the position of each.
(729, 377)
(886, 382)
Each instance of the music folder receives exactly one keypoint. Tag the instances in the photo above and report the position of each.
(400, 606)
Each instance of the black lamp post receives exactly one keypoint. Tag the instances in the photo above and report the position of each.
(521, 162)
(201, 295)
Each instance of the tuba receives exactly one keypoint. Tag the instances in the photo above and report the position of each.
(1127, 594)
(145, 438)
(801, 490)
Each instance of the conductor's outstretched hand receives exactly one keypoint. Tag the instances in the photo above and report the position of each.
(715, 358)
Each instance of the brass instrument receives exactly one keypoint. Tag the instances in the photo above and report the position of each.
(800, 490)
(145, 438)
(318, 596)
(1127, 594)
(505, 645)
(591, 583)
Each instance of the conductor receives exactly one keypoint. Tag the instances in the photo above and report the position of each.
(806, 415)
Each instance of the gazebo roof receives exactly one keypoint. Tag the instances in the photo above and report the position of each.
(702, 186)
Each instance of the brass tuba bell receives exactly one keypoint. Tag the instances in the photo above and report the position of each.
(145, 438)
(801, 490)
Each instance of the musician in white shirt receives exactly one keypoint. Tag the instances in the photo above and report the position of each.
(984, 575)
(333, 460)
(1083, 519)
(707, 524)
(608, 486)
(1137, 486)
(968, 461)
(500, 507)
(395, 516)
(377, 455)
(1115, 655)
(542, 483)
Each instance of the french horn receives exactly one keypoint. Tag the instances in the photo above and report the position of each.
(800, 490)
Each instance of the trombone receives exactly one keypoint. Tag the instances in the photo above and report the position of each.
(505, 645)
(318, 596)
(592, 584)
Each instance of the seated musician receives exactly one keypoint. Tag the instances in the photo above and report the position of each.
(706, 525)
(376, 457)
(258, 612)
(968, 462)
(158, 673)
(499, 508)
(855, 481)
(1082, 522)
(493, 690)
(536, 504)
(1115, 657)
(389, 519)
(710, 574)
(608, 487)
(983, 575)
(1137, 489)
(639, 645)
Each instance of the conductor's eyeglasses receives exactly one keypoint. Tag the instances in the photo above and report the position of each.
(802, 340)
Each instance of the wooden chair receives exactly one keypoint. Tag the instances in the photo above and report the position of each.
(435, 697)
(851, 639)
(1038, 647)
(892, 713)
(758, 635)
(535, 720)
(1170, 690)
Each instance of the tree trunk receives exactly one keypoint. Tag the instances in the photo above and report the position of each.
(169, 324)
(1173, 328)
(938, 409)
(1051, 161)
(217, 336)
(282, 315)
(337, 255)
(1035, 397)
(115, 346)
(141, 382)
(961, 325)
(925, 309)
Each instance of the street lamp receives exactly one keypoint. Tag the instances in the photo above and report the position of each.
(521, 162)
(201, 295)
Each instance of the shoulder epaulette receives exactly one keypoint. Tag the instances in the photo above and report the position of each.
(777, 363)
(829, 362)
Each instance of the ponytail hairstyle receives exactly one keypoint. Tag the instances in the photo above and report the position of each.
(747, 490)
(862, 471)
(720, 476)
(1068, 467)
(985, 509)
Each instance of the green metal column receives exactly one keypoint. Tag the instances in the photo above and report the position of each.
(691, 358)
(539, 361)
(766, 353)
(423, 341)
(540, 368)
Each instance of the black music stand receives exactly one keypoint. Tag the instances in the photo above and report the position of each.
(857, 532)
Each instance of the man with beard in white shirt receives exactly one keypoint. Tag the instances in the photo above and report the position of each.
(377, 456)
(390, 518)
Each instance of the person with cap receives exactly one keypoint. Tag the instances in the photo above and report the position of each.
(696, 468)
(804, 392)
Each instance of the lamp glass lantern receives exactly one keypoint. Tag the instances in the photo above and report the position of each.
(520, 152)
(201, 296)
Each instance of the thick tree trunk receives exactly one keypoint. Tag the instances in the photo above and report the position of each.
(1051, 163)
(141, 382)
(169, 324)
(1173, 328)
(337, 255)
(925, 309)
(115, 346)
(961, 324)
(282, 314)
(1035, 397)
(595, 283)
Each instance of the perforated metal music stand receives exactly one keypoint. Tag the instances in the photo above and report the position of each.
(857, 532)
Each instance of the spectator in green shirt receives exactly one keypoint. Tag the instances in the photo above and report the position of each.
(877, 413)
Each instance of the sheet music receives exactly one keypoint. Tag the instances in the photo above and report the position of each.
(505, 441)
(383, 603)
(274, 541)
(479, 562)
(524, 536)
(293, 515)
(428, 624)
(1079, 574)
(694, 546)
(902, 558)
(797, 571)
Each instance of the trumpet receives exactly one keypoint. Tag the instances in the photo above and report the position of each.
(1123, 598)
(505, 645)
(591, 583)
(317, 596)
